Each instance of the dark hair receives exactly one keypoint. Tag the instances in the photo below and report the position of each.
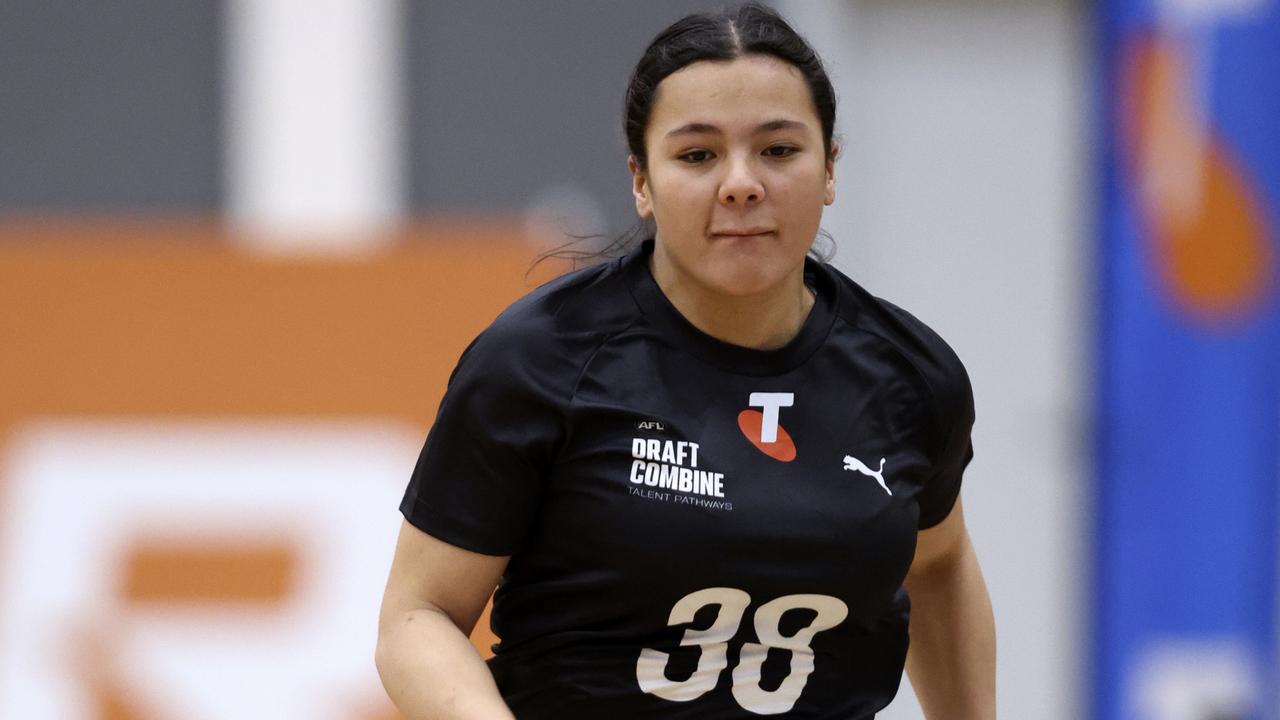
(730, 33)
(726, 34)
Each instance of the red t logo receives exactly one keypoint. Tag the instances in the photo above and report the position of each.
(763, 429)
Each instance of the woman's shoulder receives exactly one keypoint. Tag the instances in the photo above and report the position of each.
(589, 301)
(914, 339)
(553, 329)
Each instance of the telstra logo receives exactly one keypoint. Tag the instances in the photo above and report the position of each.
(762, 428)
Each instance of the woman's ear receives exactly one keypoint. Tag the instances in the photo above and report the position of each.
(830, 195)
(640, 187)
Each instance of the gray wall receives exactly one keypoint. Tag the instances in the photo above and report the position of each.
(110, 106)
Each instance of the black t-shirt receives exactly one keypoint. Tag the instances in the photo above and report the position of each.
(696, 529)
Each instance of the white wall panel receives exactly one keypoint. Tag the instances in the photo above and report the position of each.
(314, 132)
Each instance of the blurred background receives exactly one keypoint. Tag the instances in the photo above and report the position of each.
(242, 244)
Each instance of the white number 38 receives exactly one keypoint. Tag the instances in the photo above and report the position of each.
(714, 641)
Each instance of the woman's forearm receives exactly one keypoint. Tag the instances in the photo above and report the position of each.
(952, 659)
(431, 670)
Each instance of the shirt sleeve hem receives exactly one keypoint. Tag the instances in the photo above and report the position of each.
(941, 513)
(450, 531)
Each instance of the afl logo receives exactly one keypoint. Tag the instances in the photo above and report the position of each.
(762, 428)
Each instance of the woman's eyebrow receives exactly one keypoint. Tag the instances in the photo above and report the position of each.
(701, 128)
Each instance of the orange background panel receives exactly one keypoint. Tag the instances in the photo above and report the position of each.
(175, 319)
(132, 318)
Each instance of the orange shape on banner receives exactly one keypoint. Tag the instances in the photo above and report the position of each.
(160, 573)
(1205, 225)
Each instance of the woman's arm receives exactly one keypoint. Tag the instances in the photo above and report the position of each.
(952, 660)
(434, 595)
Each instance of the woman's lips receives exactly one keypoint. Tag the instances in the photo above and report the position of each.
(741, 233)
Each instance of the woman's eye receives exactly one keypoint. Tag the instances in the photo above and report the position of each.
(780, 151)
(695, 156)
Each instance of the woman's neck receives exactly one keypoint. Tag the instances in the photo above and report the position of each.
(763, 321)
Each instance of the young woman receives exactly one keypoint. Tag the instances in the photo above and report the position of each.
(705, 476)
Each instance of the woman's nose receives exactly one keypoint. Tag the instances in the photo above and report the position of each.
(741, 185)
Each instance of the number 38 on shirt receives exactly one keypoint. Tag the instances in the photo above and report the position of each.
(714, 643)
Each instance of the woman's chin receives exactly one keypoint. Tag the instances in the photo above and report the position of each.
(743, 279)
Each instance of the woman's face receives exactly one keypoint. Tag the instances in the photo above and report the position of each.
(737, 175)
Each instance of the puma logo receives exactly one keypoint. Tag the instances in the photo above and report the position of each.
(853, 463)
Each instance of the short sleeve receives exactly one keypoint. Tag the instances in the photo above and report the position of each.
(478, 481)
(953, 446)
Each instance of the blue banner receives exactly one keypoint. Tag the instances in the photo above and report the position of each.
(1188, 414)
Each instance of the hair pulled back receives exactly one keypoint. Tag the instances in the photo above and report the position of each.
(724, 35)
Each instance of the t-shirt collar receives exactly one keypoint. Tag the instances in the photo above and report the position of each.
(664, 316)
